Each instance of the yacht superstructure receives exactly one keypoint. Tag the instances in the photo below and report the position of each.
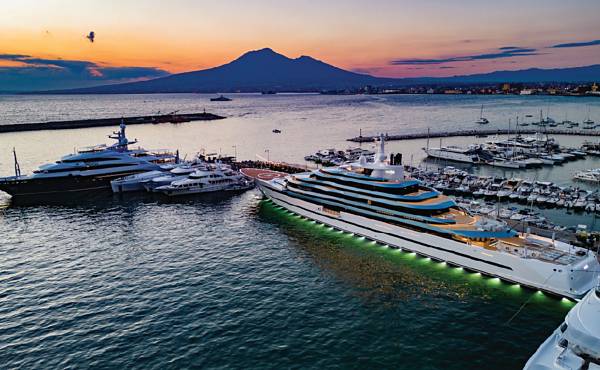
(87, 169)
(376, 201)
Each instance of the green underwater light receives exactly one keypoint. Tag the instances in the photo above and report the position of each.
(425, 260)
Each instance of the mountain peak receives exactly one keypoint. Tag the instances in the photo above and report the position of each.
(306, 58)
(264, 53)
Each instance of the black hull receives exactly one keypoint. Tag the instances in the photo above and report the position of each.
(40, 187)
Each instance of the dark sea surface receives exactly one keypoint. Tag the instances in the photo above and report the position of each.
(231, 281)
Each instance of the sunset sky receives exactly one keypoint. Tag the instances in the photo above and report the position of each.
(380, 37)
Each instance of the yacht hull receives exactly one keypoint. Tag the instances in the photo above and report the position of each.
(39, 186)
(211, 189)
(530, 273)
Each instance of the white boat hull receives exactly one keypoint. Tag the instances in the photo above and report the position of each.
(167, 190)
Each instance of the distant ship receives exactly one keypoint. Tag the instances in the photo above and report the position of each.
(270, 92)
(276, 131)
(220, 98)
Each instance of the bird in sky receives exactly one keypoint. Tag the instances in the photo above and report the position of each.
(91, 36)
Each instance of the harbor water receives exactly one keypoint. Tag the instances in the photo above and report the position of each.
(232, 281)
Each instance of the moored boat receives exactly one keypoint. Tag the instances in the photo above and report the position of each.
(90, 168)
(377, 201)
(575, 344)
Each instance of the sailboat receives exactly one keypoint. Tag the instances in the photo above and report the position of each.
(548, 120)
(588, 120)
(482, 120)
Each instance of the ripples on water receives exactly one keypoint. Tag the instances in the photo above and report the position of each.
(234, 282)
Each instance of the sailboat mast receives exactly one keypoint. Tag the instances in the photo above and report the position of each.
(17, 167)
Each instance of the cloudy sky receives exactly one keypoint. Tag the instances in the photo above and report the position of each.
(43, 43)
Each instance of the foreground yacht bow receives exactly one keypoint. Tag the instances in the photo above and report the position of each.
(88, 169)
(376, 201)
(576, 343)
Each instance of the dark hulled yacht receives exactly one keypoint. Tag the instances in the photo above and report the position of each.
(88, 169)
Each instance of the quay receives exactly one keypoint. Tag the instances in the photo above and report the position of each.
(274, 166)
(100, 122)
(474, 132)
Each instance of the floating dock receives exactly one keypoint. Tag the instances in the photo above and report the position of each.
(100, 122)
(475, 132)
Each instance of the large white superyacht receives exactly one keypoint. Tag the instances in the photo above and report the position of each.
(377, 201)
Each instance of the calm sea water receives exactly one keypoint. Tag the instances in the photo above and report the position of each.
(233, 282)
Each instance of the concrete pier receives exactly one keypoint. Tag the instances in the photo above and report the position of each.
(99, 122)
(476, 132)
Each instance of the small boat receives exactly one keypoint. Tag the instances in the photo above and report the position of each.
(276, 131)
(589, 175)
(479, 193)
(482, 120)
(588, 120)
(579, 204)
(220, 98)
(590, 207)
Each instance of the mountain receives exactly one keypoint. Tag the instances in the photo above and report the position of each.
(254, 71)
(265, 69)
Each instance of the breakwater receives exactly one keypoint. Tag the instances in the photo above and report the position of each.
(474, 132)
(274, 166)
(100, 122)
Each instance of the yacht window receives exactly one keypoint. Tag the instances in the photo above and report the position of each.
(563, 327)
(563, 343)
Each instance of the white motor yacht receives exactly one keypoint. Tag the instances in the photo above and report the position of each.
(376, 200)
(219, 177)
(177, 173)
